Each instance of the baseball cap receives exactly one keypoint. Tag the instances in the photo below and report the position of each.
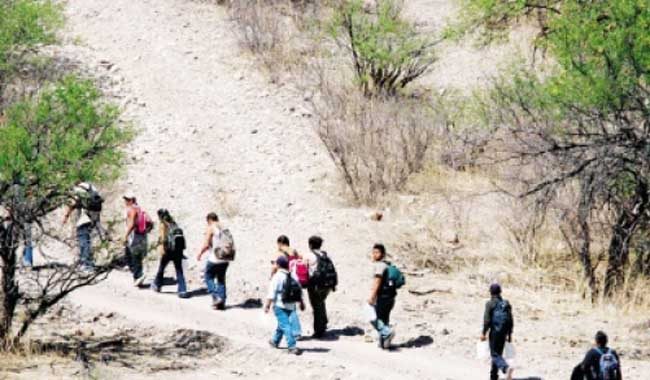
(129, 196)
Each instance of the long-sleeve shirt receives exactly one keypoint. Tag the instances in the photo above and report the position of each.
(591, 363)
(487, 317)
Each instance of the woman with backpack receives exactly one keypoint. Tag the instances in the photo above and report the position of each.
(171, 244)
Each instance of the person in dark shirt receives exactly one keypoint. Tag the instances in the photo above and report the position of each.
(498, 321)
(591, 363)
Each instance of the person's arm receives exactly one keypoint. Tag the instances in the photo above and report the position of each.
(374, 291)
(207, 242)
(487, 320)
(512, 325)
(130, 224)
(270, 296)
(161, 239)
(587, 365)
(67, 213)
(619, 373)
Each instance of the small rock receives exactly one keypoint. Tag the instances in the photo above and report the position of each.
(445, 332)
(254, 132)
(377, 216)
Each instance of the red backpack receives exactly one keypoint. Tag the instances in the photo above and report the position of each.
(143, 223)
(299, 268)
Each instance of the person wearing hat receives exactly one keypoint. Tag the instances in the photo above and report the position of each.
(171, 250)
(135, 241)
(282, 310)
(498, 321)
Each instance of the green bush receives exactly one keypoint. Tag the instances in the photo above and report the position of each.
(386, 50)
(24, 24)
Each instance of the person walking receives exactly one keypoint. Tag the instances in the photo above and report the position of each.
(86, 204)
(601, 362)
(28, 246)
(383, 294)
(138, 225)
(283, 295)
(171, 244)
(292, 256)
(322, 280)
(499, 322)
(220, 243)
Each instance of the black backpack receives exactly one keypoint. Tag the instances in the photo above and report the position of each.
(501, 317)
(91, 201)
(325, 275)
(291, 291)
(175, 240)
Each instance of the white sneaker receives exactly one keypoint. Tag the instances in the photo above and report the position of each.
(138, 281)
(388, 340)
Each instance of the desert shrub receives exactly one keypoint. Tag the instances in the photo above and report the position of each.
(48, 144)
(386, 51)
(584, 126)
(376, 143)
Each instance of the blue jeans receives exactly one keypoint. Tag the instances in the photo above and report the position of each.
(178, 265)
(296, 329)
(28, 250)
(85, 246)
(284, 327)
(497, 344)
(218, 271)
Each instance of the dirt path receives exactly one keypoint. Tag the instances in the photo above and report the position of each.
(216, 136)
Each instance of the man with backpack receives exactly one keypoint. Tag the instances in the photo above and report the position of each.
(219, 241)
(601, 362)
(284, 293)
(171, 245)
(138, 225)
(322, 279)
(87, 204)
(386, 280)
(498, 320)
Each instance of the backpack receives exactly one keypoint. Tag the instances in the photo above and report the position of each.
(175, 240)
(501, 317)
(291, 291)
(301, 270)
(143, 223)
(608, 366)
(393, 279)
(91, 201)
(226, 248)
(325, 275)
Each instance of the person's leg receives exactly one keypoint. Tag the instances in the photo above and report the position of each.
(158, 281)
(317, 300)
(85, 250)
(138, 250)
(294, 320)
(209, 274)
(288, 329)
(180, 277)
(222, 268)
(497, 344)
(28, 255)
(283, 321)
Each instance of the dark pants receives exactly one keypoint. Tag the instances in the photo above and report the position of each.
(497, 344)
(135, 254)
(317, 297)
(218, 271)
(178, 265)
(85, 246)
(383, 308)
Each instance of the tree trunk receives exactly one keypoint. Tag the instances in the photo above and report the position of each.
(622, 232)
(8, 290)
(584, 211)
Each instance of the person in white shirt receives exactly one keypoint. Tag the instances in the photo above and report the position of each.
(282, 309)
(86, 221)
(215, 267)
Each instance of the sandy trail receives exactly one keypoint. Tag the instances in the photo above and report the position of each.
(216, 136)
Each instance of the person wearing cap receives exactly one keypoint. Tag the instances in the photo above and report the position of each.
(498, 321)
(167, 224)
(282, 310)
(135, 243)
(86, 221)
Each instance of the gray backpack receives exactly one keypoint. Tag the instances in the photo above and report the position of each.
(225, 250)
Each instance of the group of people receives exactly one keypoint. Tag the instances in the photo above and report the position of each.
(291, 273)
